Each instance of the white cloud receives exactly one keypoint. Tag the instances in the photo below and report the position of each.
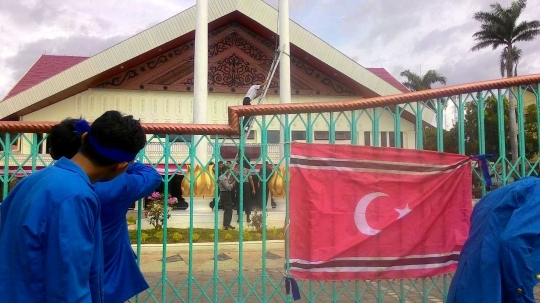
(68, 27)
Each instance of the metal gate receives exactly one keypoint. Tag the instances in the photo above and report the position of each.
(194, 260)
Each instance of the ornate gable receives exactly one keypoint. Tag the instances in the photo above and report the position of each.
(237, 59)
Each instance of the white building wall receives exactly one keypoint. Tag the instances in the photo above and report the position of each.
(177, 107)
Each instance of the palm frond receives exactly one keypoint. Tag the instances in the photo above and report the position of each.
(487, 43)
(414, 81)
(528, 35)
(408, 85)
(432, 77)
(526, 26)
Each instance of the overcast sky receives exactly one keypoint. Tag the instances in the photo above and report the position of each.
(414, 34)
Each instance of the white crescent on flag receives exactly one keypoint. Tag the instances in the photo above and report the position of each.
(360, 214)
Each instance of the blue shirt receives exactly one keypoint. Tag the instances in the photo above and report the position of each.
(50, 238)
(500, 261)
(123, 278)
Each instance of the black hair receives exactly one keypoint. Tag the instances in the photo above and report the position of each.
(247, 163)
(63, 141)
(223, 170)
(113, 130)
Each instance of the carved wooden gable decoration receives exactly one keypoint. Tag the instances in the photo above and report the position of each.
(237, 59)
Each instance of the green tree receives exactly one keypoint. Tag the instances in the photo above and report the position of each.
(531, 132)
(415, 82)
(450, 140)
(491, 131)
(500, 28)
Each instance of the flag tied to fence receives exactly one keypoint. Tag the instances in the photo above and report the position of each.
(376, 213)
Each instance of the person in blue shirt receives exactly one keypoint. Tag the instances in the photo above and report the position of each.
(123, 278)
(500, 261)
(50, 231)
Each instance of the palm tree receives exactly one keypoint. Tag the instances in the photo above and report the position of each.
(500, 28)
(416, 82)
(513, 56)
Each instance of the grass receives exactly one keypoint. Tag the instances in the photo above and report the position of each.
(181, 235)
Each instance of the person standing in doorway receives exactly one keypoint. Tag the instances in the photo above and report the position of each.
(251, 94)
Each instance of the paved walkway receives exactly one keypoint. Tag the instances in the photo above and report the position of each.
(250, 280)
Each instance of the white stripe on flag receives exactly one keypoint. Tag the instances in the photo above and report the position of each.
(375, 258)
(370, 161)
(397, 172)
(372, 269)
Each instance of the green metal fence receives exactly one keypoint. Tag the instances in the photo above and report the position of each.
(252, 269)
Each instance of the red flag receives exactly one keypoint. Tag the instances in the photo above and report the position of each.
(376, 213)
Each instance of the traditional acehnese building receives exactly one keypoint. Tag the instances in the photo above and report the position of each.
(150, 76)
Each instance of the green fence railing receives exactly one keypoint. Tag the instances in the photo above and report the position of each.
(192, 259)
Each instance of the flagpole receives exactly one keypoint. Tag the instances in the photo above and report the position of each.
(200, 87)
(284, 64)
(200, 112)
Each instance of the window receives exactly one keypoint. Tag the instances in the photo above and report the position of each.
(15, 143)
(298, 135)
(338, 135)
(384, 139)
(392, 139)
(177, 138)
(321, 135)
(251, 136)
(273, 136)
(387, 139)
(343, 135)
(367, 138)
(43, 145)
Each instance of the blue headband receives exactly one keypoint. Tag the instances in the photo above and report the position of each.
(82, 126)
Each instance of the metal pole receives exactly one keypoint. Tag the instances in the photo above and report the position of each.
(200, 90)
(285, 63)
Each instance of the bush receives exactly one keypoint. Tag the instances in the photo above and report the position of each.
(257, 220)
(181, 235)
(177, 237)
(131, 220)
(159, 236)
(144, 237)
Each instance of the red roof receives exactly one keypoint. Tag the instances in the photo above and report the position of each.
(44, 68)
(49, 65)
(385, 75)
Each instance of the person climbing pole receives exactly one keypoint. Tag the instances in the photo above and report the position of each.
(252, 93)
